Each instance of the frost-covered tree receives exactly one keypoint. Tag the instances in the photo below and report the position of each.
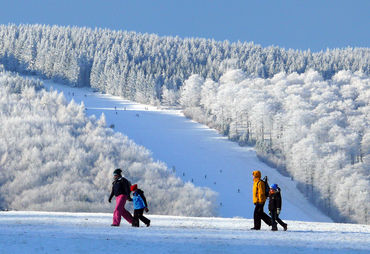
(169, 96)
(190, 92)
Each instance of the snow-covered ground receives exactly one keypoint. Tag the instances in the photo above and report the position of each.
(195, 152)
(43, 232)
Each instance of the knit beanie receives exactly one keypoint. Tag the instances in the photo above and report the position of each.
(118, 171)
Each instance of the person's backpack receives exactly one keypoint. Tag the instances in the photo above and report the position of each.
(267, 186)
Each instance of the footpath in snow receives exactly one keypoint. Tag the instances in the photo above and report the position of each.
(44, 232)
(195, 153)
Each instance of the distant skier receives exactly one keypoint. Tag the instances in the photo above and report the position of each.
(275, 207)
(140, 205)
(121, 190)
(259, 199)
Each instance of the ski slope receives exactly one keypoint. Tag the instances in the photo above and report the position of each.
(47, 232)
(195, 153)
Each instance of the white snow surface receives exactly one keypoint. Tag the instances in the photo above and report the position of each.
(195, 152)
(51, 232)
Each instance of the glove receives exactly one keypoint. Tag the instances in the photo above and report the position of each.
(146, 209)
(129, 199)
(278, 211)
(109, 200)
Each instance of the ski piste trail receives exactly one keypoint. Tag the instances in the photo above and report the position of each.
(195, 153)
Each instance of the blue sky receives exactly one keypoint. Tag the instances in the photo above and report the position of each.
(297, 24)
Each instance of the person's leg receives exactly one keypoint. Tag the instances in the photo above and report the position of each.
(273, 220)
(257, 216)
(145, 220)
(117, 211)
(125, 214)
(265, 217)
(135, 222)
(282, 223)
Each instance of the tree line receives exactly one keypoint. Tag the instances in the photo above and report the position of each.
(138, 66)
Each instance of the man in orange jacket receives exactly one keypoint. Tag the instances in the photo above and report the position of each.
(259, 199)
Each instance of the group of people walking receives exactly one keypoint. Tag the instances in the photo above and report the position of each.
(122, 188)
(259, 198)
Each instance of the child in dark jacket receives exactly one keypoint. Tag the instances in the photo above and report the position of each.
(140, 205)
(275, 207)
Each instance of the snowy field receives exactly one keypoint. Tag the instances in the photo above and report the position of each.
(43, 232)
(195, 153)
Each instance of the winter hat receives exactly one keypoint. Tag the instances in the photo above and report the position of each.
(116, 172)
(133, 187)
(274, 187)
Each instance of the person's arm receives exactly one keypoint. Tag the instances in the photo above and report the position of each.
(144, 199)
(128, 186)
(128, 189)
(278, 201)
(255, 193)
(141, 193)
(261, 192)
(111, 195)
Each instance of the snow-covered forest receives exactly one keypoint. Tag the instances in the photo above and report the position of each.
(54, 158)
(137, 66)
(307, 113)
(318, 130)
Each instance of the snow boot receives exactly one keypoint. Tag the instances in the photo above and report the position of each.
(135, 222)
(285, 227)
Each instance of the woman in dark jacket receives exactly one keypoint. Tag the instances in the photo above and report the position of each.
(275, 207)
(121, 190)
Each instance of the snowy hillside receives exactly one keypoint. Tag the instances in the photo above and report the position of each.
(313, 128)
(195, 153)
(55, 158)
(40, 232)
(306, 113)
